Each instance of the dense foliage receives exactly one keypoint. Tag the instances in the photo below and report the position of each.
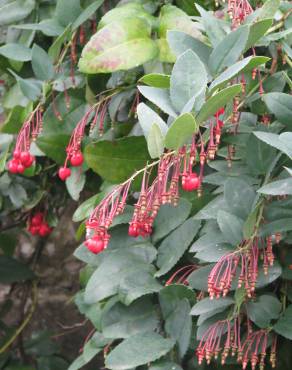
(175, 121)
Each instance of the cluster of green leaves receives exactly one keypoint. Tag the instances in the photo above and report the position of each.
(145, 324)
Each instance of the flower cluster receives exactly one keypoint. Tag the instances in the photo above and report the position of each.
(225, 338)
(37, 225)
(247, 256)
(95, 114)
(164, 189)
(238, 10)
(29, 131)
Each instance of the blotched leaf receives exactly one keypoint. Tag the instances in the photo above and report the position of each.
(120, 45)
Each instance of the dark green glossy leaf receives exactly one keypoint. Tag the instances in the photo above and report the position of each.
(41, 64)
(121, 321)
(175, 244)
(263, 310)
(138, 350)
(116, 161)
(280, 105)
(284, 324)
(12, 270)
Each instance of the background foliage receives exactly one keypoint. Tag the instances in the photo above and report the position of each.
(158, 73)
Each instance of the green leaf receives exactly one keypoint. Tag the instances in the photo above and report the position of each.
(138, 350)
(91, 349)
(135, 285)
(147, 117)
(155, 141)
(165, 54)
(116, 161)
(56, 134)
(215, 28)
(15, 119)
(239, 196)
(269, 9)
(159, 97)
(67, 14)
(164, 224)
(178, 325)
(199, 278)
(15, 11)
(180, 131)
(49, 27)
(244, 65)
(182, 89)
(263, 310)
(85, 208)
(175, 244)
(256, 31)
(156, 80)
(280, 225)
(228, 51)
(284, 324)
(164, 365)
(173, 18)
(120, 45)
(180, 42)
(280, 187)
(121, 321)
(75, 183)
(231, 227)
(217, 101)
(86, 14)
(259, 156)
(274, 273)
(41, 64)
(127, 10)
(207, 305)
(115, 265)
(29, 88)
(55, 48)
(280, 105)
(12, 270)
(170, 297)
(16, 52)
(275, 141)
